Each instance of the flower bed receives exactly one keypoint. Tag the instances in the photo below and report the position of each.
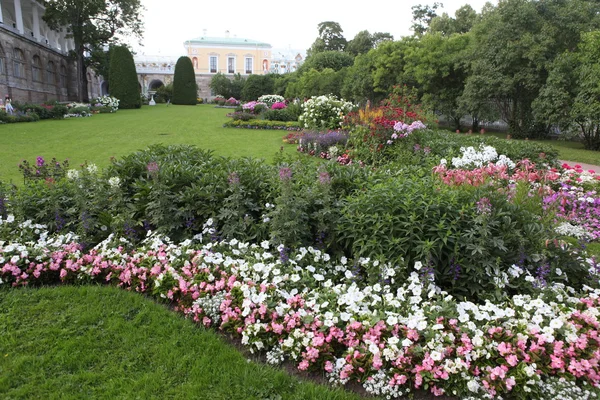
(315, 311)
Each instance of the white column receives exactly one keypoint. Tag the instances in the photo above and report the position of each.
(36, 20)
(19, 16)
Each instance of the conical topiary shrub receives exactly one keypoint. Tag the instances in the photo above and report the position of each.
(184, 82)
(123, 83)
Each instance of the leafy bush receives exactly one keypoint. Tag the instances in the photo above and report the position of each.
(123, 80)
(279, 115)
(263, 124)
(185, 88)
(242, 116)
(109, 102)
(324, 112)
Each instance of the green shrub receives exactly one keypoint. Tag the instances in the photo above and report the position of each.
(279, 115)
(123, 80)
(263, 124)
(59, 111)
(185, 89)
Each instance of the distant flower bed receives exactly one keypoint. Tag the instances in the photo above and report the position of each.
(263, 124)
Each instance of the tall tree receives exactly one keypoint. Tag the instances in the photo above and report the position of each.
(123, 81)
(570, 98)
(185, 88)
(93, 25)
(422, 16)
(330, 38)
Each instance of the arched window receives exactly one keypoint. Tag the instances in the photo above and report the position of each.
(19, 63)
(36, 69)
(51, 73)
(63, 76)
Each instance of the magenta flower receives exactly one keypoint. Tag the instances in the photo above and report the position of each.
(285, 174)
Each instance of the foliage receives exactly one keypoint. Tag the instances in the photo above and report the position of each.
(330, 38)
(256, 86)
(331, 59)
(422, 16)
(222, 85)
(164, 93)
(279, 115)
(123, 78)
(185, 89)
(263, 124)
(324, 112)
(571, 97)
(93, 25)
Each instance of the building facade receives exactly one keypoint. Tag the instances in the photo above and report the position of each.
(211, 55)
(34, 66)
(227, 55)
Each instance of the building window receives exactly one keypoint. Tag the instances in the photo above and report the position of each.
(63, 76)
(213, 64)
(19, 62)
(249, 63)
(231, 65)
(1, 65)
(36, 69)
(195, 62)
(51, 73)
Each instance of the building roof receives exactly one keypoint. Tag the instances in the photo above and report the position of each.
(227, 41)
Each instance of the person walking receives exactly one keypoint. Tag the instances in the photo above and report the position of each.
(8, 106)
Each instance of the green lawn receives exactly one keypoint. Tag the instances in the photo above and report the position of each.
(102, 136)
(95, 342)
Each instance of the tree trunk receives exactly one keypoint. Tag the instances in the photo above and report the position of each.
(82, 86)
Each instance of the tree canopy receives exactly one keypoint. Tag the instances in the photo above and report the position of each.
(93, 25)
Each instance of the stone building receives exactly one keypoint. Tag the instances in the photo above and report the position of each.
(34, 66)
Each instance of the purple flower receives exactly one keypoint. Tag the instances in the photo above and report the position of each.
(484, 206)
(40, 161)
(285, 174)
(324, 178)
(152, 167)
(233, 178)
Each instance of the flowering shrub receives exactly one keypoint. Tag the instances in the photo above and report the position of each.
(254, 106)
(324, 145)
(472, 158)
(42, 169)
(270, 99)
(107, 101)
(232, 102)
(324, 112)
(311, 309)
(280, 105)
(220, 100)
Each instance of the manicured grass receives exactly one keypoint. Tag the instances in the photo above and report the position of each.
(98, 138)
(102, 342)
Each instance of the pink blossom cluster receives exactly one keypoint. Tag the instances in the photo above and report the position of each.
(279, 105)
(425, 350)
(403, 130)
(525, 171)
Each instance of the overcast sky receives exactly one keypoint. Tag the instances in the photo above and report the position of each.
(280, 23)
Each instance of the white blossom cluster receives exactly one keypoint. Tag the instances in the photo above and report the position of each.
(324, 112)
(108, 101)
(472, 158)
(378, 385)
(561, 389)
(211, 304)
(576, 231)
(270, 99)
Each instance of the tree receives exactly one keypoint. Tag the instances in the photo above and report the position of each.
(332, 59)
(362, 43)
(515, 45)
(388, 62)
(93, 25)
(570, 98)
(435, 64)
(256, 86)
(358, 83)
(422, 17)
(464, 19)
(185, 88)
(220, 85)
(330, 38)
(123, 81)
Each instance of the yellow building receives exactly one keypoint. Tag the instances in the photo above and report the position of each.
(228, 55)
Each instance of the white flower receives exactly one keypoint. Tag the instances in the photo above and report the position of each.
(72, 174)
(473, 386)
(418, 265)
(407, 342)
(436, 355)
(92, 168)
(114, 182)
